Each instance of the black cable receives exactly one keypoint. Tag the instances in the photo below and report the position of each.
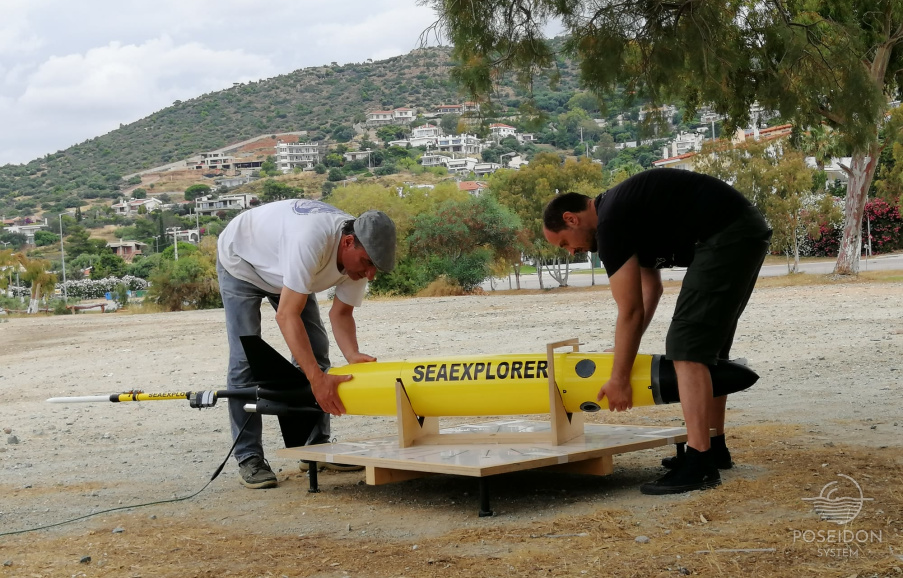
(173, 500)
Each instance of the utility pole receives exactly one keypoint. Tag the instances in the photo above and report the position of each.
(175, 240)
(63, 258)
(9, 288)
(156, 243)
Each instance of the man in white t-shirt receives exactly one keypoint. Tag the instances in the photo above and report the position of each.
(286, 252)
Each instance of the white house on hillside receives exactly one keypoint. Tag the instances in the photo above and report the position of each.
(501, 131)
(402, 115)
(426, 131)
(208, 206)
(127, 249)
(27, 230)
(462, 143)
(210, 161)
(684, 142)
(291, 155)
(132, 206)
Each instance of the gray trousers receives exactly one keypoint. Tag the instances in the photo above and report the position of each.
(242, 301)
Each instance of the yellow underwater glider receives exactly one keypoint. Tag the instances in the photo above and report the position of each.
(474, 385)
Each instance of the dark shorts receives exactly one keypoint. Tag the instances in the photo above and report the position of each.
(715, 290)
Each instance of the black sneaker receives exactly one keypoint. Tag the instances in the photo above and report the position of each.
(255, 473)
(721, 455)
(697, 471)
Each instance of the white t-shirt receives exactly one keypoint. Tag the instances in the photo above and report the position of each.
(292, 243)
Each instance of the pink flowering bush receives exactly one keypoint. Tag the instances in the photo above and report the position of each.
(886, 231)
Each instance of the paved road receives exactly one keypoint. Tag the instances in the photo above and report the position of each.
(885, 262)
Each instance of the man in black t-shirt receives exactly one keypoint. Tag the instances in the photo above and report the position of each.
(665, 218)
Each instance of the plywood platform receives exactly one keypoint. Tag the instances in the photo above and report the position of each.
(590, 453)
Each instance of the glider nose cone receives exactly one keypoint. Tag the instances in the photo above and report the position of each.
(727, 377)
(730, 377)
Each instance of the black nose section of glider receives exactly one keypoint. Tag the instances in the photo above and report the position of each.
(727, 377)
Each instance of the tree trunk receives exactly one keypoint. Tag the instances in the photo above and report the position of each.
(539, 272)
(556, 273)
(33, 304)
(860, 173)
(796, 253)
(517, 276)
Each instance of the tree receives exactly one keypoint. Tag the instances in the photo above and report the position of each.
(275, 191)
(835, 61)
(526, 193)
(78, 242)
(449, 123)
(9, 261)
(195, 191)
(403, 209)
(391, 132)
(605, 149)
(776, 179)
(466, 237)
(889, 174)
(109, 265)
(190, 282)
(343, 133)
(15, 240)
(44, 238)
(36, 273)
(268, 167)
(139, 193)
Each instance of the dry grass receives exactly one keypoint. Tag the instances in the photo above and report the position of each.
(441, 287)
(745, 528)
(800, 279)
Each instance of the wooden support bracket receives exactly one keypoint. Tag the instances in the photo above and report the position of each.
(565, 426)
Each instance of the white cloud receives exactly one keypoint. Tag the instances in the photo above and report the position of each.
(78, 96)
(70, 71)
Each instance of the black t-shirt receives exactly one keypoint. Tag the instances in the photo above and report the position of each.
(659, 215)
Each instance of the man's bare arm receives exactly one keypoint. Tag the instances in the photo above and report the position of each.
(324, 386)
(627, 290)
(652, 293)
(344, 328)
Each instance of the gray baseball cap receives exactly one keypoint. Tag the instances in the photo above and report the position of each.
(376, 232)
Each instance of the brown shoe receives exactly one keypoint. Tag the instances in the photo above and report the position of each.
(255, 473)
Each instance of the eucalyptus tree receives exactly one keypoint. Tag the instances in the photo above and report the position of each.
(832, 61)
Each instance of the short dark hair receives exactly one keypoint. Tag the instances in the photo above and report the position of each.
(553, 215)
(348, 229)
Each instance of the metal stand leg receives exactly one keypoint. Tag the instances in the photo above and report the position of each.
(485, 511)
(312, 473)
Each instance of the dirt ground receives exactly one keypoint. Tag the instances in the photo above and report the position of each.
(827, 403)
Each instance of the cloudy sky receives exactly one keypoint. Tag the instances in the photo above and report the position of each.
(70, 71)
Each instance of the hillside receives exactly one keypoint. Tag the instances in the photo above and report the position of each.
(318, 99)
